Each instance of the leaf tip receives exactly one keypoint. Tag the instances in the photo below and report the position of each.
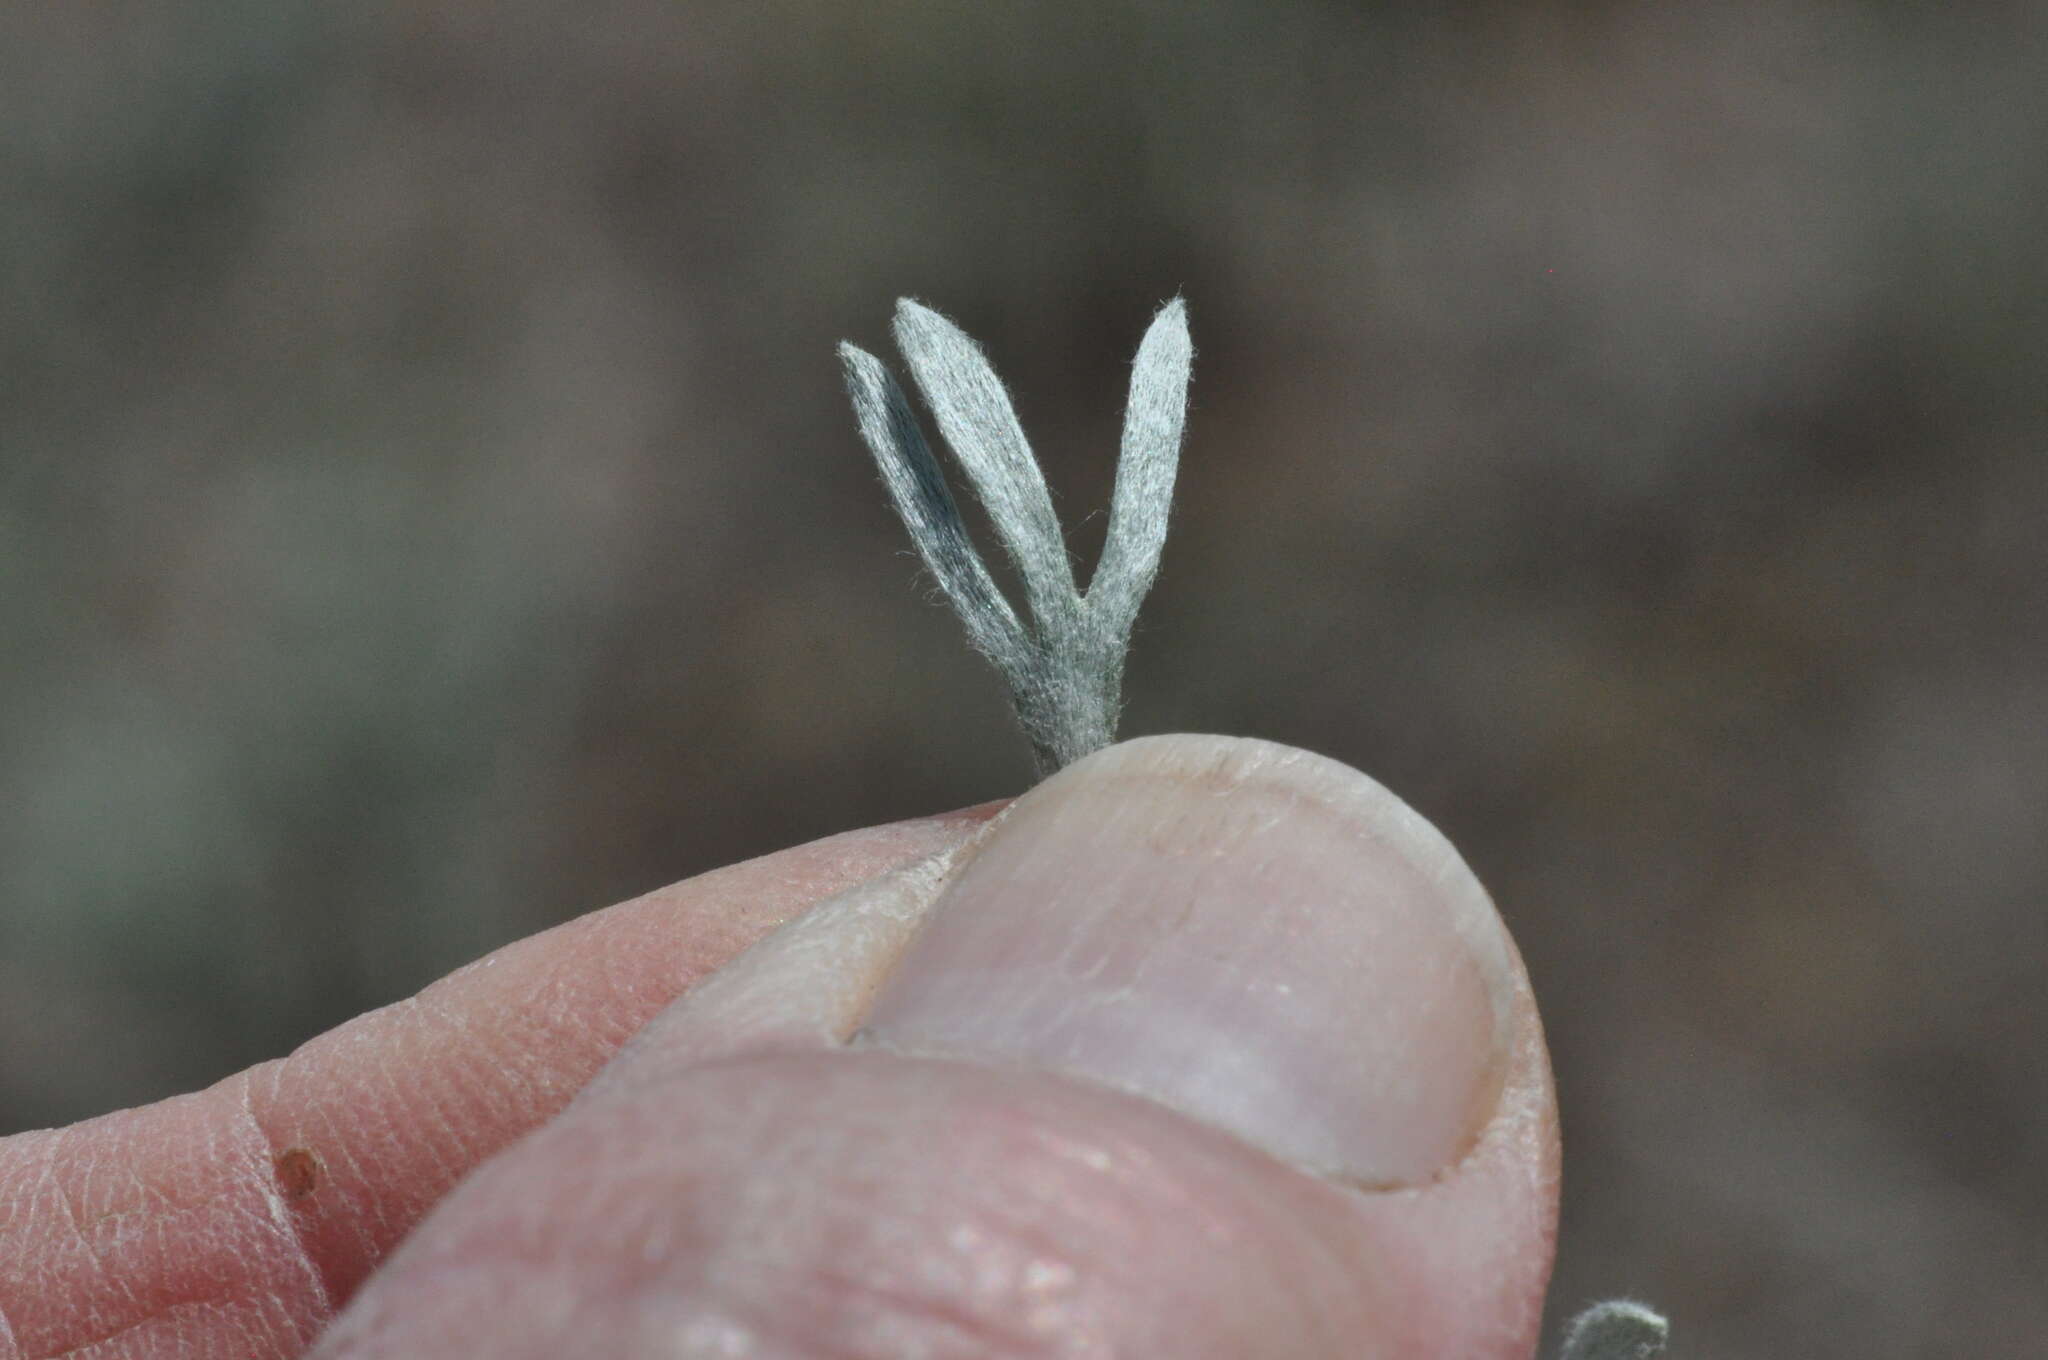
(1619, 1329)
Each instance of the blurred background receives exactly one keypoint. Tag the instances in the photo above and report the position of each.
(429, 510)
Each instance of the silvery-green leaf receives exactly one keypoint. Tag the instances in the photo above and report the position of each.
(921, 496)
(1153, 421)
(975, 416)
(1615, 1330)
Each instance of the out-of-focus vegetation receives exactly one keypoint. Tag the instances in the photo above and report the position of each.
(428, 510)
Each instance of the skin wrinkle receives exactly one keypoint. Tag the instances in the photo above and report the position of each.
(287, 1223)
(43, 1184)
(229, 1296)
(446, 1107)
(345, 1167)
(69, 1197)
(921, 883)
(467, 1090)
(352, 1160)
(614, 949)
(62, 1193)
(168, 1317)
(252, 1156)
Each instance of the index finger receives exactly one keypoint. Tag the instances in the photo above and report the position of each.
(235, 1221)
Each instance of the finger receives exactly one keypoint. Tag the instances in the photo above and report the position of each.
(1206, 1048)
(232, 1222)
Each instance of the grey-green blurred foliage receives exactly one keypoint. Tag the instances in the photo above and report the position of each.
(428, 510)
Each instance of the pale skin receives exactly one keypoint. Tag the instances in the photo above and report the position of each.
(780, 1167)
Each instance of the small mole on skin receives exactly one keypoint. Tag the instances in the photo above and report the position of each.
(299, 1172)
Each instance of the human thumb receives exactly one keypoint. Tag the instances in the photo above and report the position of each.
(1207, 1047)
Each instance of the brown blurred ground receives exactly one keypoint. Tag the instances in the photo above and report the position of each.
(428, 510)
